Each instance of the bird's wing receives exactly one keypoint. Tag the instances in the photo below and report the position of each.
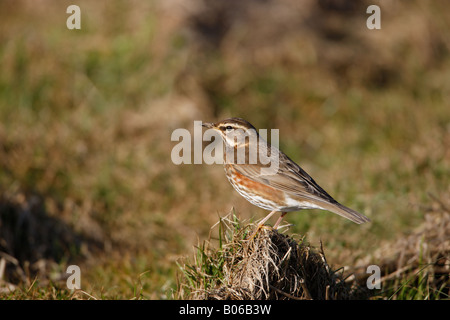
(292, 179)
(289, 178)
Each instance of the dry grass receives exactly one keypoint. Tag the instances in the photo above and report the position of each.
(417, 265)
(267, 267)
(32, 243)
(276, 266)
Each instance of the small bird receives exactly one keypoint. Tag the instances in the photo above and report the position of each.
(287, 189)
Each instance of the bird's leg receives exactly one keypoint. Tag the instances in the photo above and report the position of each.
(262, 223)
(279, 220)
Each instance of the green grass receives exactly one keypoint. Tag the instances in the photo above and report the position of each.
(415, 286)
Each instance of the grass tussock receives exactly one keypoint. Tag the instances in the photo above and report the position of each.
(268, 266)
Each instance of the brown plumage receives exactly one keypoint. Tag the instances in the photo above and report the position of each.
(280, 185)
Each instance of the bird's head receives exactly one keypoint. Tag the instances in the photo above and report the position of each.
(235, 132)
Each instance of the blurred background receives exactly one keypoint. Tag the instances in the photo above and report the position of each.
(86, 118)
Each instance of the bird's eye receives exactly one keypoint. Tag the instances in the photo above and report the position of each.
(229, 128)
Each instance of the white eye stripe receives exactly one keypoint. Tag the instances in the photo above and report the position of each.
(228, 128)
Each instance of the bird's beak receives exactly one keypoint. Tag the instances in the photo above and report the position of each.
(208, 125)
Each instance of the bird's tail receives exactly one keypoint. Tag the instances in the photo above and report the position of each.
(345, 212)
